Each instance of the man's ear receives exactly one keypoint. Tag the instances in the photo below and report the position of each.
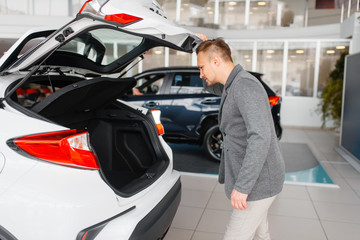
(216, 60)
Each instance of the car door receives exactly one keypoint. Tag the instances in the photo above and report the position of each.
(185, 104)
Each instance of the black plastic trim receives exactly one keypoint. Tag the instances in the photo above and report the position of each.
(92, 231)
(154, 226)
(5, 234)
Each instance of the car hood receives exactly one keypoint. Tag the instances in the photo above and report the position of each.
(143, 18)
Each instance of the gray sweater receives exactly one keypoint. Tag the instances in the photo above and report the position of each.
(251, 161)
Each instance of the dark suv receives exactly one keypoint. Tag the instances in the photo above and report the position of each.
(188, 112)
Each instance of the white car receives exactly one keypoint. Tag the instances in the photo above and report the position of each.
(75, 162)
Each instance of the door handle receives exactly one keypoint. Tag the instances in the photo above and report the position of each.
(152, 104)
(209, 101)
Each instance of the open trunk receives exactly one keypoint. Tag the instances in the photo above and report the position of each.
(124, 139)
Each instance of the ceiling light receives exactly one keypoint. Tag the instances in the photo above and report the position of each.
(293, 56)
(330, 51)
(300, 51)
(232, 3)
(248, 60)
(261, 3)
(270, 51)
(158, 52)
(340, 47)
(246, 56)
(210, 12)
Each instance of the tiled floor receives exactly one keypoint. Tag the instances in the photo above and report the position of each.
(299, 213)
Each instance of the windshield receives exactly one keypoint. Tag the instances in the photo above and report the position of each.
(102, 46)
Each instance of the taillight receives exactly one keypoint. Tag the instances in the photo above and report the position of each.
(156, 115)
(122, 18)
(69, 148)
(273, 100)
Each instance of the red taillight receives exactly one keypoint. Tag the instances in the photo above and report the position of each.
(160, 129)
(273, 100)
(122, 18)
(69, 148)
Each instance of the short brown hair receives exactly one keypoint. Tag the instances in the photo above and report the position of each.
(217, 45)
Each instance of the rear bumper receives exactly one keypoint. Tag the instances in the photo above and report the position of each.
(156, 223)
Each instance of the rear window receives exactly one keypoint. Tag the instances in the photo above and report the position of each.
(102, 46)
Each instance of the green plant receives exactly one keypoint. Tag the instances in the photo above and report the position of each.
(331, 97)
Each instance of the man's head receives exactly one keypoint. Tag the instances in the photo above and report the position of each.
(214, 61)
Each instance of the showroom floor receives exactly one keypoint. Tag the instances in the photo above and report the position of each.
(300, 212)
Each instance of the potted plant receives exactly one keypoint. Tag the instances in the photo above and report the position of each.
(331, 97)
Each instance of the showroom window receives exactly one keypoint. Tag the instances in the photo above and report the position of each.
(300, 69)
(270, 63)
(153, 58)
(330, 53)
(178, 58)
(242, 53)
(262, 14)
(232, 15)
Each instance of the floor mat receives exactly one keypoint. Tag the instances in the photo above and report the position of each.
(300, 163)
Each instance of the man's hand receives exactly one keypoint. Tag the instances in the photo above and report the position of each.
(203, 37)
(238, 200)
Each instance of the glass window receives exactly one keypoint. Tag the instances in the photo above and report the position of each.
(232, 15)
(178, 58)
(242, 53)
(329, 54)
(262, 14)
(270, 63)
(292, 13)
(149, 85)
(98, 45)
(14, 7)
(154, 58)
(187, 84)
(300, 70)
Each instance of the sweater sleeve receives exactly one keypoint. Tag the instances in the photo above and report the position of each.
(252, 101)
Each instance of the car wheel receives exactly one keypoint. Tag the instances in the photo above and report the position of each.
(212, 143)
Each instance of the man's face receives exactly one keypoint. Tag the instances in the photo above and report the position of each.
(206, 69)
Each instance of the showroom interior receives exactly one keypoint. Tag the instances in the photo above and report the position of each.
(296, 45)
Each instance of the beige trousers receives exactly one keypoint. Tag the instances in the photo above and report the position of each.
(250, 223)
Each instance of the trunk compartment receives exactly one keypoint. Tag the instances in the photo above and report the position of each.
(124, 139)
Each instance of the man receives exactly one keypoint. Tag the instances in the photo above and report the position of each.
(251, 165)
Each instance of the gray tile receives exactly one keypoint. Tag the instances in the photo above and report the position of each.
(214, 221)
(294, 192)
(207, 236)
(286, 228)
(293, 208)
(338, 212)
(346, 170)
(354, 182)
(179, 234)
(187, 217)
(198, 182)
(343, 231)
(219, 201)
(334, 195)
(194, 198)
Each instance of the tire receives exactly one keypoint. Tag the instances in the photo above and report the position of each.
(212, 143)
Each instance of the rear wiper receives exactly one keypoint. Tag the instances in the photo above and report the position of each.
(12, 90)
